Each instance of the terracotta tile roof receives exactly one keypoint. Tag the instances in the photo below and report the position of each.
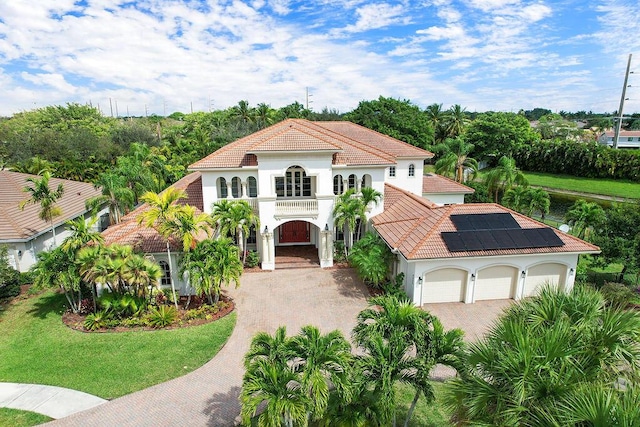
(434, 183)
(353, 144)
(413, 225)
(129, 232)
(17, 224)
(624, 133)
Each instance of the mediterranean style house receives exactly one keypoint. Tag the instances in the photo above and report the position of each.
(23, 232)
(292, 172)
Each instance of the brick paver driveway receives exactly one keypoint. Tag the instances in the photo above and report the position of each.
(329, 299)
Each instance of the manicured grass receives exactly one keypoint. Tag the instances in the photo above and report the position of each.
(17, 418)
(36, 347)
(426, 414)
(607, 187)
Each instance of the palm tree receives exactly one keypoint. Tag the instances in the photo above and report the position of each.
(346, 212)
(456, 120)
(538, 201)
(542, 351)
(40, 193)
(584, 216)
(396, 337)
(368, 196)
(504, 176)
(82, 233)
(275, 387)
(516, 198)
(323, 361)
(162, 210)
(211, 265)
(115, 194)
(437, 117)
(186, 226)
(243, 112)
(273, 349)
(264, 115)
(235, 218)
(456, 159)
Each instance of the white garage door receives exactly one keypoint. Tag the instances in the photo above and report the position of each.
(445, 285)
(497, 282)
(541, 274)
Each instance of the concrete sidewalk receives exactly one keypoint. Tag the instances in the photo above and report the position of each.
(55, 402)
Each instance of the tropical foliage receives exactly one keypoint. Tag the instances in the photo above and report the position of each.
(455, 159)
(503, 177)
(235, 219)
(553, 359)
(370, 256)
(40, 193)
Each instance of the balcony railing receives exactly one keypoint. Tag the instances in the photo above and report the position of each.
(253, 202)
(296, 208)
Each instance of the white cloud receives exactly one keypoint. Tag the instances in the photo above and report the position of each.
(377, 15)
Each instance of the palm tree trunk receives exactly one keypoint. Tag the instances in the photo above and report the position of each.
(53, 231)
(173, 287)
(411, 408)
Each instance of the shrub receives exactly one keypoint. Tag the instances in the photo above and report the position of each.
(122, 306)
(9, 283)
(395, 287)
(161, 317)
(96, 321)
(253, 259)
(338, 251)
(26, 278)
(618, 295)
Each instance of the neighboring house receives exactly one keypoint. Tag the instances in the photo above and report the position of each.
(23, 231)
(149, 241)
(442, 190)
(626, 139)
(291, 173)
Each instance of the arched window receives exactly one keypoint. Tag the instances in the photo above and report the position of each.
(412, 170)
(337, 185)
(352, 181)
(253, 187)
(165, 280)
(236, 187)
(295, 183)
(366, 181)
(222, 188)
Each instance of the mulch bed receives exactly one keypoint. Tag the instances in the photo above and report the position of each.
(76, 321)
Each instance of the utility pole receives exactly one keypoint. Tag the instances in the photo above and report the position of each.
(307, 97)
(111, 106)
(618, 123)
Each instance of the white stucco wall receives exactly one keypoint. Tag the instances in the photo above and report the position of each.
(415, 269)
(444, 198)
(402, 178)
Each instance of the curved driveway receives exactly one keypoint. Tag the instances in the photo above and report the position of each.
(208, 396)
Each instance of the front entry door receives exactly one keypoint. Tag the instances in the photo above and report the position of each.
(294, 232)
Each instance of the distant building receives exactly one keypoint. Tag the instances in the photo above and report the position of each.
(627, 138)
(23, 232)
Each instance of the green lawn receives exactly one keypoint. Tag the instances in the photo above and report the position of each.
(36, 347)
(17, 418)
(607, 187)
(425, 415)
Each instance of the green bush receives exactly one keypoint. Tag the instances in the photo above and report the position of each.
(253, 259)
(26, 278)
(95, 321)
(161, 317)
(122, 306)
(9, 282)
(619, 295)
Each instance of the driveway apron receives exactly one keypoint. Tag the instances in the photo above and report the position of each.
(330, 299)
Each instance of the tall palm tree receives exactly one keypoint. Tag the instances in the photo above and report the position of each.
(40, 193)
(162, 210)
(115, 194)
(273, 349)
(456, 159)
(516, 198)
(437, 117)
(346, 211)
(370, 197)
(584, 216)
(504, 176)
(186, 226)
(264, 115)
(456, 120)
(323, 361)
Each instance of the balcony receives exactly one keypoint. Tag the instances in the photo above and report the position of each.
(297, 208)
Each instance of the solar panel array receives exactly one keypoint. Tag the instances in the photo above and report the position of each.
(477, 232)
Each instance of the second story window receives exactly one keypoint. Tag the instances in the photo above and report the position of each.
(412, 170)
(337, 185)
(392, 171)
(222, 188)
(295, 183)
(253, 187)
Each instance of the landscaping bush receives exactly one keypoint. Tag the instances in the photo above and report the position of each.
(370, 257)
(161, 317)
(619, 295)
(338, 252)
(26, 278)
(95, 321)
(9, 283)
(253, 259)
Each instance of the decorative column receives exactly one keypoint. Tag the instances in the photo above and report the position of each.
(520, 289)
(244, 190)
(268, 261)
(326, 247)
(229, 192)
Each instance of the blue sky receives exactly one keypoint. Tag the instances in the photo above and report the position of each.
(175, 55)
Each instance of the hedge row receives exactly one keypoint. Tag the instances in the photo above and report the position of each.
(590, 160)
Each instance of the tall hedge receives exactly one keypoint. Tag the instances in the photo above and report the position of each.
(590, 160)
